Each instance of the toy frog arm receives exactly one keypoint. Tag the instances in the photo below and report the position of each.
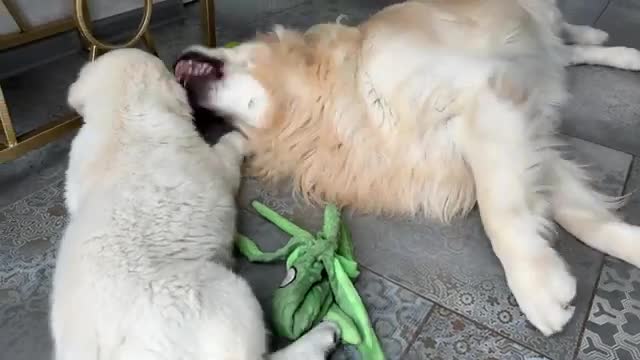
(250, 250)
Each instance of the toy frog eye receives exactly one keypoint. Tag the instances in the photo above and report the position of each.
(288, 279)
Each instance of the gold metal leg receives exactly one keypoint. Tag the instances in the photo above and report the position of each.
(94, 52)
(149, 43)
(7, 125)
(209, 22)
(17, 15)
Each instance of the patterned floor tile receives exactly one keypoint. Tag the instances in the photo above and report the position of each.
(448, 336)
(29, 232)
(33, 171)
(454, 265)
(613, 328)
(396, 314)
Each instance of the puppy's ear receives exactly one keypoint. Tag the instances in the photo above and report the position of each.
(79, 91)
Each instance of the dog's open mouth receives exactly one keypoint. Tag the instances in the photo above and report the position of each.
(193, 65)
(195, 72)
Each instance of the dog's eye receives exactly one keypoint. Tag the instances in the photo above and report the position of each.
(251, 103)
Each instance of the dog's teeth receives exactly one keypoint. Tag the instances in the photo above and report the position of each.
(180, 69)
(207, 69)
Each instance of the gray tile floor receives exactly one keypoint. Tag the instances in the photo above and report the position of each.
(433, 291)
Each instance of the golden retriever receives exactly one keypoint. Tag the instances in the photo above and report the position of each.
(427, 108)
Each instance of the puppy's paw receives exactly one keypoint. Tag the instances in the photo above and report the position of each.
(320, 340)
(625, 58)
(544, 289)
(593, 36)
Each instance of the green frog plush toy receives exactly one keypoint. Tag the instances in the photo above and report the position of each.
(319, 281)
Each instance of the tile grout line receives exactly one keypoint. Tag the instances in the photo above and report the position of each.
(419, 329)
(601, 13)
(583, 327)
(478, 324)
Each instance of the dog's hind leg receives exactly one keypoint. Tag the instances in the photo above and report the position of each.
(314, 345)
(619, 57)
(584, 35)
(507, 162)
(589, 215)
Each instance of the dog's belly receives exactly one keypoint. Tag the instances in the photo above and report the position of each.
(418, 175)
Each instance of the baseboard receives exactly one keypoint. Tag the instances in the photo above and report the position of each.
(23, 58)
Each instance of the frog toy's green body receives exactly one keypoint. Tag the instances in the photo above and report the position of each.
(319, 283)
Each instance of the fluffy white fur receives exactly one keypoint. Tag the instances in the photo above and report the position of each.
(428, 107)
(143, 267)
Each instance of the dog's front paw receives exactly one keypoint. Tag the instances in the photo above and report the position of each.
(326, 336)
(320, 341)
(627, 58)
(594, 37)
(544, 289)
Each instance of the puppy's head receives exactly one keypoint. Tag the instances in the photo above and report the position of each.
(123, 77)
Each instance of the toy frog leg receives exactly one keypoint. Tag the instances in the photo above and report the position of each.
(345, 252)
(331, 225)
(345, 245)
(281, 222)
(251, 251)
(346, 296)
(349, 266)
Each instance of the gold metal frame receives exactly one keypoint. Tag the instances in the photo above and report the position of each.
(14, 146)
(208, 13)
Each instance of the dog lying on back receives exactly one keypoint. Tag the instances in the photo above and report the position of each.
(430, 107)
(143, 270)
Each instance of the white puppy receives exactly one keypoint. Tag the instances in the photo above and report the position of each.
(143, 267)
(430, 107)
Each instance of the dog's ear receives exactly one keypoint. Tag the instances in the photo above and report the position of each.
(79, 91)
